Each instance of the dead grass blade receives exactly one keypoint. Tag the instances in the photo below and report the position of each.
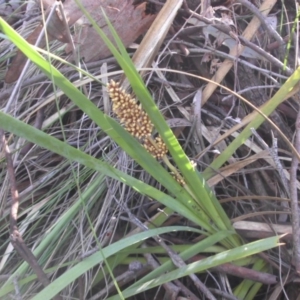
(237, 50)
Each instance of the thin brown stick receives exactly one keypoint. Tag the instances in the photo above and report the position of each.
(171, 289)
(227, 30)
(15, 236)
(223, 294)
(242, 272)
(272, 32)
(135, 269)
(179, 262)
(294, 198)
(186, 291)
(176, 259)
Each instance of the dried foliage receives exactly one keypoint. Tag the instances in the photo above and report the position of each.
(129, 20)
(221, 42)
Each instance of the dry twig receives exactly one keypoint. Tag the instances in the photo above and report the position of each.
(294, 198)
(15, 236)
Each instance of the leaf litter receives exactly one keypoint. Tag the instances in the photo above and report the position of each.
(250, 190)
(130, 22)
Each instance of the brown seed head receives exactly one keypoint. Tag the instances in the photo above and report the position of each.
(156, 147)
(135, 120)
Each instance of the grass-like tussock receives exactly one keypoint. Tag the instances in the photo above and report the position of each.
(73, 204)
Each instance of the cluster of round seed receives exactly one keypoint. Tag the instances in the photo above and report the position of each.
(135, 120)
(180, 180)
(156, 147)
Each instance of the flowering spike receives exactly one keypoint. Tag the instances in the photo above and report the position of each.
(135, 120)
